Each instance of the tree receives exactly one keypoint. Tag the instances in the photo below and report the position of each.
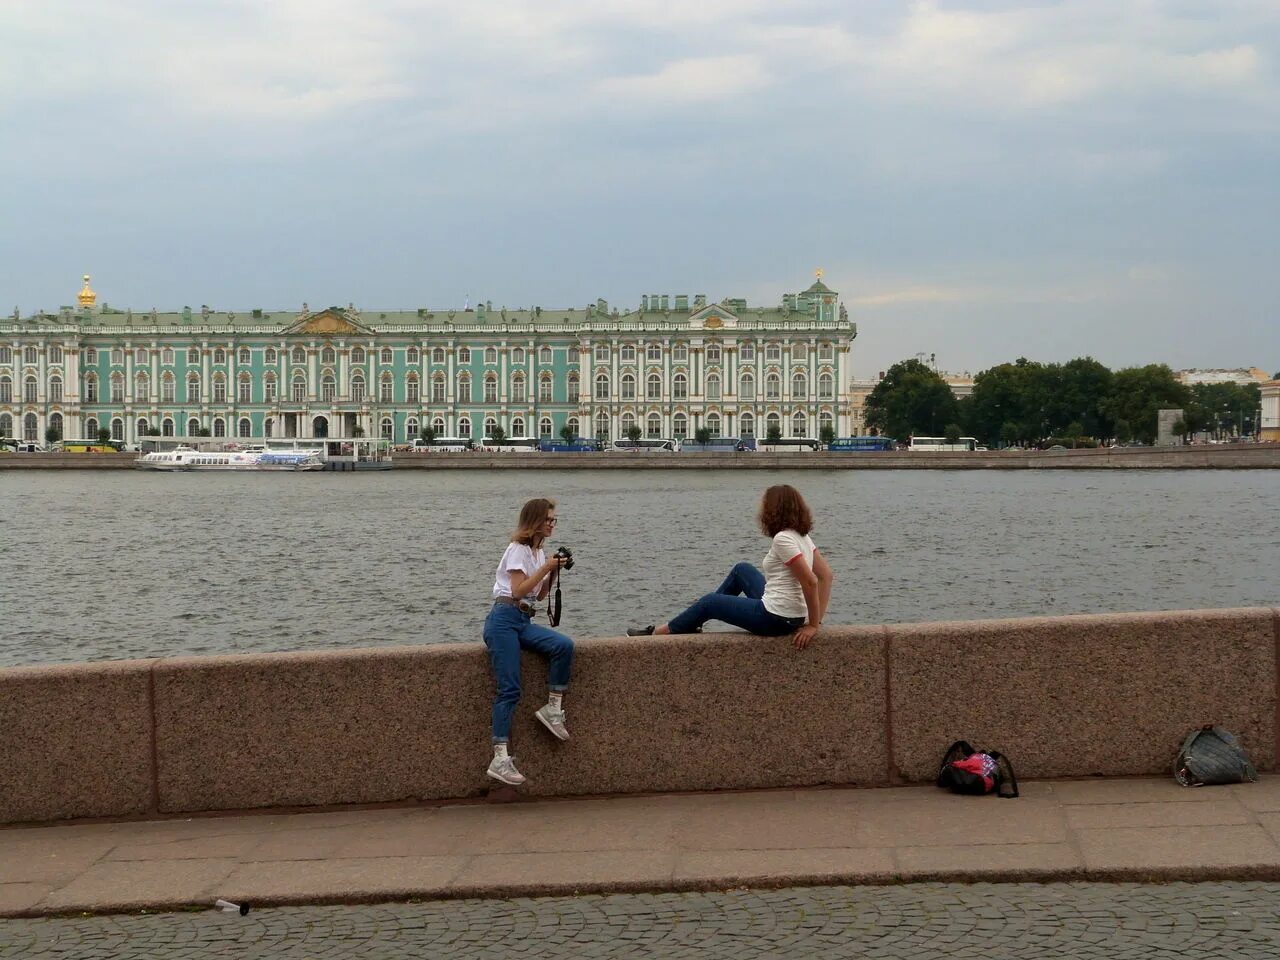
(104, 435)
(1010, 402)
(357, 431)
(633, 433)
(827, 435)
(702, 435)
(1009, 433)
(1076, 392)
(951, 433)
(204, 432)
(1137, 393)
(773, 434)
(568, 434)
(153, 431)
(497, 435)
(1180, 428)
(428, 434)
(1124, 432)
(53, 435)
(911, 399)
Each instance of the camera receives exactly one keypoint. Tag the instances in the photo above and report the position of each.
(567, 555)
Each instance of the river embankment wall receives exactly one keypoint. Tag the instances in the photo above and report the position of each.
(1239, 456)
(867, 706)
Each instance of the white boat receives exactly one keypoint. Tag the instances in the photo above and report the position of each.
(186, 458)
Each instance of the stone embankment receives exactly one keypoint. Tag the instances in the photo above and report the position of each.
(868, 706)
(1241, 456)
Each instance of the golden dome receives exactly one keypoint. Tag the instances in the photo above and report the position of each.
(86, 296)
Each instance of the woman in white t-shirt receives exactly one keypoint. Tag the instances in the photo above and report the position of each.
(790, 596)
(524, 576)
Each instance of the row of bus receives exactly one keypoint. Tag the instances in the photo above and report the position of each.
(10, 445)
(715, 445)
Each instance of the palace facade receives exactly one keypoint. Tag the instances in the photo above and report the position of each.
(670, 367)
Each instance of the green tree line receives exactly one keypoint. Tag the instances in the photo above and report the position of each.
(1028, 402)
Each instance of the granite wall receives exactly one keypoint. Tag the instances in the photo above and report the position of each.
(868, 706)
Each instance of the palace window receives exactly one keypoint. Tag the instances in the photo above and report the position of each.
(772, 352)
(772, 387)
(166, 356)
(773, 425)
(826, 351)
(464, 426)
(747, 425)
(544, 427)
(91, 389)
(141, 387)
(141, 427)
(490, 425)
(299, 355)
(117, 356)
(799, 351)
(680, 353)
(437, 355)
(679, 426)
(166, 427)
(413, 393)
(117, 388)
(713, 424)
(412, 357)
(517, 356)
(270, 357)
(437, 388)
(438, 426)
(244, 356)
(653, 387)
(30, 355)
(747, 387)
(244, 388)
(572, 424)
(653, 426)
(573, 385)
(628, 386)
(117, 428)
(357, 387)
(517, 388)
(328, 386)
(386, 388)
(571, 355)
(628, 353)
(490, 388)
(244, 428)
(490, 356)
(544, 355)
(464, 354)
(6, 395)
(30, 390)
(219, 389)
(653, 352)
(747, 352)
(602, 425)
(219, 427)
(6, 356)
(357, 355)
(544, 388)
(193, 356)
(799, 386)
(219, 356)
(166, 388)
(602, 353)
(826, 387)
(90, 356)
(91, 427)
(328, 356)
(799, 425)
(680, 387)
(411, 428)
(464, 388)
(386, 359)
(602, 386)
(825, 424)
(713, 353)
(517, 426)
(193, 427)
(55, 389)
(299, 387)
(388, 429)
(269, 388)
(713, 386)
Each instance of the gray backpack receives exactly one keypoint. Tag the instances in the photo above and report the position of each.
(1212, 755)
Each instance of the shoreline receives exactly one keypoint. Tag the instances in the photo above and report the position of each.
(1250, 456)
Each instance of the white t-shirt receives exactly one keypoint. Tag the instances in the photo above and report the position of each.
(783, 595)
(517, 556)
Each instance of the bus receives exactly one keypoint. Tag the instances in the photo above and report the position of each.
(940, 444)
(11, 445)
(653, 445)
(860, 444)
(576, 445)
(791, 445)
(510, 445)
(442, 445)
(89, 446)
(719, 445)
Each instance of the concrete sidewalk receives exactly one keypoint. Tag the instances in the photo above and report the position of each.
(1084, 829)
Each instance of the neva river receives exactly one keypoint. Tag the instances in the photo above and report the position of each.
(115, 565)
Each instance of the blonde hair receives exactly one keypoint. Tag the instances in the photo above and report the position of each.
(532, 516)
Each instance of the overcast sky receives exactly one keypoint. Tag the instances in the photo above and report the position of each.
(978, 179)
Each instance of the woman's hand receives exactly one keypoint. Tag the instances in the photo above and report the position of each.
(804, 634)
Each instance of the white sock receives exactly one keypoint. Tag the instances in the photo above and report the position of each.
(500, 751)
(554, 699)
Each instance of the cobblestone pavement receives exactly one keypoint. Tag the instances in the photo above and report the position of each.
(919, 921)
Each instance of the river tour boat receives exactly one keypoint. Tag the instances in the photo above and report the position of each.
(189, 458)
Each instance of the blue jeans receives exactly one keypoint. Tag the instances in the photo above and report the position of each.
(507, 631)
(737, 602)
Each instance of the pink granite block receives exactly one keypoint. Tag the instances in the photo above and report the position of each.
(1079, 696)
(75, 741)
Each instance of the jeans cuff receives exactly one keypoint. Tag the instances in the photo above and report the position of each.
(557, 687)
(497, 740)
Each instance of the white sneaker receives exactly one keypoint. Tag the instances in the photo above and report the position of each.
(553, 720)
(503, 769)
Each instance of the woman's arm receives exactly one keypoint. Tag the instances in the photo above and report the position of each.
(522, 585)
(826, 576)
(812, 587)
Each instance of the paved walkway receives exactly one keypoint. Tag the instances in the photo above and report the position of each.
(1086, 830)
(917, 921)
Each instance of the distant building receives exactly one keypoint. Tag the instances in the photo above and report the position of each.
(961, 385)
(1271, 410)
(1239, 376)
(670, 367)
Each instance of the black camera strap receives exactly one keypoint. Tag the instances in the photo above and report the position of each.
(553, 604)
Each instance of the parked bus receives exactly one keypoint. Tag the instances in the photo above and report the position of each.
(791, 445)
(10, 445)
(940, 444)
(860, 444)
(442, 445)
(510, 445)
(645, 446)
(719, 445)
(89, 446)
(576, 445)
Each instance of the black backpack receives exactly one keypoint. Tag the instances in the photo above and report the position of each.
(1212, 755)
(957, 774)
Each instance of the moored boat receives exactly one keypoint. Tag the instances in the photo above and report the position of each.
(187, 459)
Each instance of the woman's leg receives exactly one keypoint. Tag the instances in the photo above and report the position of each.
(558, 649)
(502, 637)
(746, 613)
(743, 580)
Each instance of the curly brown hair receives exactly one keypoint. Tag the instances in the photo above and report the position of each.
(782, 508)
(529, 527)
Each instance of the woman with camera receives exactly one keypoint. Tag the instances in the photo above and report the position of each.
(524, 576)
(790, 596)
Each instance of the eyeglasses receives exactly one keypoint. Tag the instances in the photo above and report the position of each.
(550, 520)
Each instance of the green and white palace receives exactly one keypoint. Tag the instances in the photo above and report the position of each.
(670, 367)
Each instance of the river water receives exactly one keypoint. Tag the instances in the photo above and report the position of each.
(107, 565)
